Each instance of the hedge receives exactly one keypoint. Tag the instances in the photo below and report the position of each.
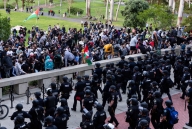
(2, 6)
(74, 10)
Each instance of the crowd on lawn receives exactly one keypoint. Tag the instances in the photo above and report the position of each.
(30, 50)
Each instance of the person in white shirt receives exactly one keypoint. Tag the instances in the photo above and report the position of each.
(10, 52)
(18, 69)
(133, 44)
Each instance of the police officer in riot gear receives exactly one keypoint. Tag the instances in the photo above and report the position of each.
(38, 97)
(137, 78)
(112, 67)
(143, 124)
(79, 87)
(88, 123)
(132, 113)
(156, 109)
(164, 84)
(37, 117)
(19, 112)
(144, 115)
(157, 72)
(127, 75)
(88, 102)
(184, 81)
(99, 117)
(189, 100)
(95, 85)
(131, 88)
(151, 73)
(105, 72)
(140, 63)
(65, 88)
(172, 57)
(121, 63)
(166, 55)
(178, 73)
(20, 123)
(106, 93)
(145, 85)
(119, 79)
(49, 103)
(87, 81)
(112, 105)
(132, 64)
(98, 70)
(144, 105)
(55, 92)
(49, 123)
(187, 59)
(65, 106)
(60, 118)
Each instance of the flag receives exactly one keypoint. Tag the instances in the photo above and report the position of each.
(33, 15)
(86, 55)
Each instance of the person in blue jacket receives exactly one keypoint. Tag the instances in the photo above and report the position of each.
(48, 63)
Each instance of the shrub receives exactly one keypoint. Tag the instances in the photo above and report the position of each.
(2, 6)
(74, 10)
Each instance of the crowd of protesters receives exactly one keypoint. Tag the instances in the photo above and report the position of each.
(58, 47)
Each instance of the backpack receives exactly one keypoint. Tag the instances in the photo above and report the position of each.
(170, 82)
(57, 58)
(173, 116)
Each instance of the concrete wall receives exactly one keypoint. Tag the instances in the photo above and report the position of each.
(21, 82)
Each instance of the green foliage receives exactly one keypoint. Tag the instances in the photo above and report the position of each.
(159, 15)
(5, 28)
(8, 5)
(74, 10)
(28, 2)
(132, 9)
(5, 90)
(187, 22)
(33, 83)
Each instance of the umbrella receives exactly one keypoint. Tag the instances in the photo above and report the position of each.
(16, 27)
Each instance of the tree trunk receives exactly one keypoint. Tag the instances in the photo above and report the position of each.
(88, 8)
(173, 9)
(23, 5)
(171, 4)
(111, 10)
(180, 13)
(117, 10)
(189, 3)
(106, 12)
(5, 3)
(17, 5)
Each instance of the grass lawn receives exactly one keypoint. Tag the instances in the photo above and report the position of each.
(17, 18)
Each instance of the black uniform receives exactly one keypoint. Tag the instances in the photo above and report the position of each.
(184, 79)
(87, 125)
(20, 113)
(106, 93)
(36, 117)
(127, 74)
(164, 86)
(79, 87)
(137, 79)
(88, 103)
(145, 85)
(99, 119)
(95, 86)
(189, 94)
(50, 103)
(51, 127)
(65, 90)
(61, 121)
(21, 126)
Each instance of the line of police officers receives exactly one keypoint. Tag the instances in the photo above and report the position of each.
(149, 76)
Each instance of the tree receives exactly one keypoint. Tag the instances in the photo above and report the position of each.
(69, 5)
(17, 5)
(161, 16)
(132, 9)
(5, 28)
(187, 22)
(23, 4)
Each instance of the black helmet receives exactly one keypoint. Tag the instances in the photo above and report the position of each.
(19, 106)
(87, 88)
(118, 70)
(168, 103)
(59, 110)
(107, 65)
(144, 105)
(97, 65)
(63, 101)
(134, 101)
(122, 57)
(49, 119)
(185, 69)
(134, 96)
(190, 82)
(65, 78)
(35, 103)
(95, 76)
(99, 107)
(112, 64)
(78, 77)
(53, 85)
(143, 123)
(112, 87)
(165, 72)
(157, 94)
(131, 82)
(145, 74)
(145, 111)
(108, 76)
(86, 76)
(49, 91)
(154, 83)
(139, 58)
(19, 119)
(166, 51)
(109, 72)
(167, 61)
(88, 115)
(148, 67)
(131, 58)
(136, 68)
(37, 94)
(87, 92)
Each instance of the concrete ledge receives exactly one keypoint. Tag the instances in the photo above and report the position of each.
(187, 127)
(21, 88)
(1, 93)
